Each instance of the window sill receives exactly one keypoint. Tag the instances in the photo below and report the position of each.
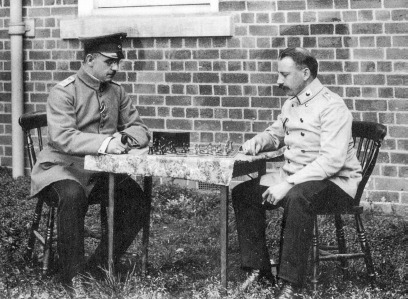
(213, 24)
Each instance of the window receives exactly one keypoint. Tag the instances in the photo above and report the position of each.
(145, 7)
(148, 18)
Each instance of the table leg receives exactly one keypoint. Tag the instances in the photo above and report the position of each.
(224, 190)
(111, 210)
(146, 226)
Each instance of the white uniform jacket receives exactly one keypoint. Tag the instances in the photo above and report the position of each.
(315, 127)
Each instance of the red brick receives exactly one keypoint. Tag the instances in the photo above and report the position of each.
(402, 145)
(145, 88)
(355, 4)
(178, 77)
(237, 126)
(266, 54)
(329, 42)
(232, 6)
(291, 5)
(163, 111)
(178, 54)
(294, 30)
(319, 4)
(179, 124)
(395, 4)
(205, 90)
(393, 184)
(263, 30)
(399, 158)
(206, 78)
(398, 132)
(150, 54)
(403, 171)
(402, 119)
(396, 28)
(151, 100)
(234, 78)
(383, 196)
(64, 11)
(235, 102)
(234, 54)
(325, 29)
(398, 54)
(367, 28)
(401, 93)
(206, 54)
(260, 6)
(399, 15)
(370, 79)
(265, 102)
(330, 66)
(397, 80)
(373, 54)
(235, 114)
(178, 100)
(386, 118)
(154, 123)
(263, 78)
(206, 101)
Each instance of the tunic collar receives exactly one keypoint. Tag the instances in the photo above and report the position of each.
(309, 92)
(91, 81)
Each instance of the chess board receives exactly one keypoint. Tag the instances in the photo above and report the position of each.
(202, 152)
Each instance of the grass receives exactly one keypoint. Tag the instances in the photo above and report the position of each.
(184, 260)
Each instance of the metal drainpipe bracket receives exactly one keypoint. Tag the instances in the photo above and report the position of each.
(27, 28)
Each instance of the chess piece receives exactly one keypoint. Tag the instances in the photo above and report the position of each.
(151, 150)
(224, 150)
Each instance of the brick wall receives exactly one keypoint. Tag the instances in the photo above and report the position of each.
(219, 88)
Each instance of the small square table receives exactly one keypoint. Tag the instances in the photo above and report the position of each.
(202, 168)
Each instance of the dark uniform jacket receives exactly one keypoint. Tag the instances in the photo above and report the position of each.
(81, 114)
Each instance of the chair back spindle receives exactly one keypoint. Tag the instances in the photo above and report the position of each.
(367, 138)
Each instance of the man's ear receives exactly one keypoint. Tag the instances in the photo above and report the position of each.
(89, 59)
(306, 74)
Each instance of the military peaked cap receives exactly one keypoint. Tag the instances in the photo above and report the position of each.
(109, 45)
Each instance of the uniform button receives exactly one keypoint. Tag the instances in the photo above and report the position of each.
(288, 147)
(301, 120)
(288, 161)
(100, 94)
(303, 134)
(287, 132)
(293, 105)
(303, 151)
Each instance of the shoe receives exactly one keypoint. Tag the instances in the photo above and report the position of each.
(288, 291)
(256, 275)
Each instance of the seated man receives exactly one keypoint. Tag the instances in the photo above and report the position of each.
(321, 169)
(87, 114)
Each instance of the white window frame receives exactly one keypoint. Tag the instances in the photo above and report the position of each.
(145, 7)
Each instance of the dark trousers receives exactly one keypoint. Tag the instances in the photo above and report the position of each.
(131, 209)
(299, 206)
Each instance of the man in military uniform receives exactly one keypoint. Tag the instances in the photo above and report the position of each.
(87, 114)
(320, 170)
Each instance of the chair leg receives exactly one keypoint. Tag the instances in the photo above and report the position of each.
(34, 227)
(104, 223)
(146, 226)
(341, 241)
(48, 241)
(365, 248)
(282, 236)
(315, 254)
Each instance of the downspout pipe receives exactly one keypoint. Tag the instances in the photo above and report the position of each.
(16, 32)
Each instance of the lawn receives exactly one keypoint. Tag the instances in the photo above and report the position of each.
(184, 259)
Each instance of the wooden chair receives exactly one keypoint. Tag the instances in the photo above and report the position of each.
(38, 121)
(367, 138)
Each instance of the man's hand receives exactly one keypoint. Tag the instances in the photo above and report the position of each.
(115, 146)
(275, 194)
(251, 147)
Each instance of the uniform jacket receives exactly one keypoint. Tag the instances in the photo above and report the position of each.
(315, 127)
(81, 114)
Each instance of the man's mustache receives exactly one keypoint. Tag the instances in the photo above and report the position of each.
(281, 86)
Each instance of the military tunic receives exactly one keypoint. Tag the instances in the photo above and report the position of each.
(81, 113)
(315, 127)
